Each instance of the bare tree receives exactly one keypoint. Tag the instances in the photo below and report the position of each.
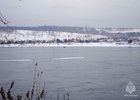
(3, 19)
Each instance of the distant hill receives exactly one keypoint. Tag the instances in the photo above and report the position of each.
(53, 28)
(65, 34)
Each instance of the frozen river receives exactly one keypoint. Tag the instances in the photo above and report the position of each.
(86, 73)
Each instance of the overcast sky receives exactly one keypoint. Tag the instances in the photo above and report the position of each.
(96, 13)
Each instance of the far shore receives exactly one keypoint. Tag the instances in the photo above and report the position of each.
(71, 45)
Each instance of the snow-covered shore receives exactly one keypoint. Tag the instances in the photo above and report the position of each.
(28, 38)
(71, 45)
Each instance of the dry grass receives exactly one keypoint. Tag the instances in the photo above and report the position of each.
(36, 93)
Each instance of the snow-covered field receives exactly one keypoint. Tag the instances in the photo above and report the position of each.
(121, 30)
(24, 35)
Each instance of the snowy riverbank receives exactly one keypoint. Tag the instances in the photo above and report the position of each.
(71, 45)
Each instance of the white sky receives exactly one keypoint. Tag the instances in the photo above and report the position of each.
(96, 13)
